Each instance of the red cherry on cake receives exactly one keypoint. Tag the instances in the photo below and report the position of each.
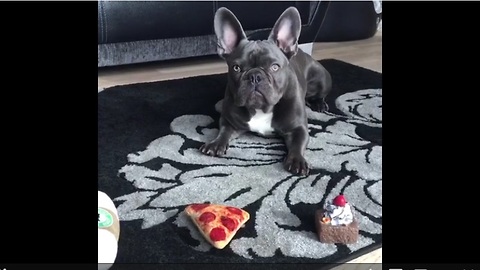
(339, 201)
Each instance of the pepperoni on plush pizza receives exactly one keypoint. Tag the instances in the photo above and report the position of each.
(217, 223)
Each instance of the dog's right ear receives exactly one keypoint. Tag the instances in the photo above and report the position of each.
(229, 31)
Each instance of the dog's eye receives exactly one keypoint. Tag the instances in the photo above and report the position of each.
(275, 67)
(236, 68)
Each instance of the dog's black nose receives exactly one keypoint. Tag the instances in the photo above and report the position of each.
(255, 78)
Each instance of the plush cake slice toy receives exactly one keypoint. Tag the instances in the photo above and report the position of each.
(336, 223)
(217, 223)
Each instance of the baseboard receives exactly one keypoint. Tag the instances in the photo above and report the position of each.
(306, 47)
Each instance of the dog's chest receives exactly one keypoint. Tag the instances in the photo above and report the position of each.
(261, 123)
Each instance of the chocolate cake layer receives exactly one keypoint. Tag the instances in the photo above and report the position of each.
(340, 234)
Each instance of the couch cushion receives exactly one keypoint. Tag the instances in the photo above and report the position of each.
(124, 21)
(127, 21)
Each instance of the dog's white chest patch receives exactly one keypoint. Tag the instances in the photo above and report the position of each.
(261, 123)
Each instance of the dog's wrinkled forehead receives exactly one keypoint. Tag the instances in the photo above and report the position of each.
(258, 53)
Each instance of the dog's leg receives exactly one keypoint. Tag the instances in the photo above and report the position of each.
(296, 142)
(319, 84)
(219, 146)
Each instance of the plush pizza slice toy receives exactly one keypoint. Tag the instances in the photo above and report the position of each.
(217, 223)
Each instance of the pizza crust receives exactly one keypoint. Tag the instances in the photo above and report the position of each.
(220, 222)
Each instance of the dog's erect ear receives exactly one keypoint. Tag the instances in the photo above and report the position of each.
(229, 31)
(286, 31)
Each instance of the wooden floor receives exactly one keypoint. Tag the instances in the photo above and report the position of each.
(365, 53)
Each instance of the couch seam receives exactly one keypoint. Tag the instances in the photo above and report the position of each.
(317, 7)
(323, 19)
(102, 35)
(215, 8)
(105, 22)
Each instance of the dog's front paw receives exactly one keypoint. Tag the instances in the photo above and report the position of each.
(318, 105)
(296, 164)
(214, 148)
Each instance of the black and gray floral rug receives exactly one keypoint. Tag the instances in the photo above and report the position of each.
(149, 164)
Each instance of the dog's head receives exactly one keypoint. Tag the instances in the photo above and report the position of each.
(258, 71)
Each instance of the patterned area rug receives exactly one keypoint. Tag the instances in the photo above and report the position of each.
(149, 164)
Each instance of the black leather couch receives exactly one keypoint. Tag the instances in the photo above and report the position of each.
(144, 31)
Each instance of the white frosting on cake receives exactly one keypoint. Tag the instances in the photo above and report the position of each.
(339, 215)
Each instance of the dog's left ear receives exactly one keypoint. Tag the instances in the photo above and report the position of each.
(286, 31)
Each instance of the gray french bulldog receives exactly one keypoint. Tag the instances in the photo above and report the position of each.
(269, 84)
